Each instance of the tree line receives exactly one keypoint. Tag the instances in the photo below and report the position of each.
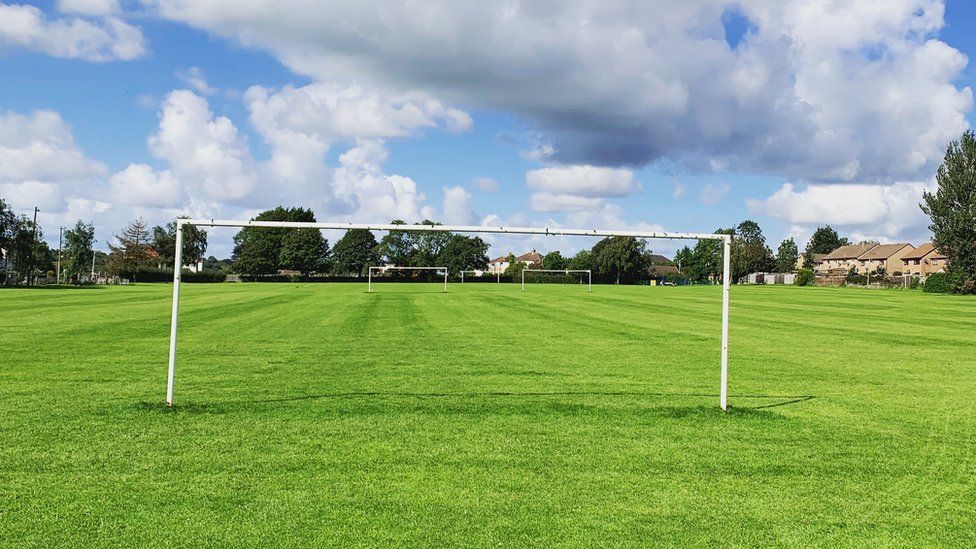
(264, 251)
(137, 248)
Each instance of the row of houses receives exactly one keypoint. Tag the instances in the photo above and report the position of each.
(499, 264)
(900, 258)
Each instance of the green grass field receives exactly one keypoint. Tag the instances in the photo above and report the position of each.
(323, 415)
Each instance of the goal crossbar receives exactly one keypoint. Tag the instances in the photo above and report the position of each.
(477, 229)
(589, 274)
(384, 268)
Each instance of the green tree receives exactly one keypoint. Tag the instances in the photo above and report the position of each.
(354, 252)
(397, 247)
(77, 253)
(787, 256)
(952, 208)
(45, 261)
(8, 227)
(705, 263)
(750, 254)
(683, 259)
(583, 260)
(824, 240)
(22, 246)
(257, 250)
(428, 246)
(464, 253)
(554, 260)
(194, 243)
(304, 250)
(514, 268)
(131, 250)
(621, 257)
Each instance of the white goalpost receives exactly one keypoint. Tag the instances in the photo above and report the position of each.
(369, 283)
(589, 274)
(178, 262)
(498, 275)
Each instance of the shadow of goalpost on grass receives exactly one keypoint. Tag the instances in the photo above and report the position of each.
(669, 410)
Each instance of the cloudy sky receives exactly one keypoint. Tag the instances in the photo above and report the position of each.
(613, 114)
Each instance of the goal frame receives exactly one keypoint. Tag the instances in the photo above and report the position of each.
(475, 229)
(498, 275)
(589, 273)
(384, 268)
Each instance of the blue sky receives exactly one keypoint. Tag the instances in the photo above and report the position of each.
(727, 111)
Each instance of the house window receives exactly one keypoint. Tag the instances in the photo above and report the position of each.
(916, 261)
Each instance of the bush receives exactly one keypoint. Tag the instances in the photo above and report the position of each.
(938, 283)
(805, 277)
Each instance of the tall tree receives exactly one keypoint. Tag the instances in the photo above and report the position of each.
(787, 256)
(824, 240)
(464, 253)
(683, 259)
(304, 250)
(354, 252)
(554, 260)
(131, 250)
(952, 209)
(428, 246)
(8, 225)
(397, 247)
(621, 257)
(22, 245)
(705, 262)
(78, 242)
(750, 254)
(257, 250)
(581, 261)
(194, 243)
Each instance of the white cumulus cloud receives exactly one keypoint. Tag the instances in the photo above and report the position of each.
(103, 39)
(204, 148)
(589, 181)
(882, 212)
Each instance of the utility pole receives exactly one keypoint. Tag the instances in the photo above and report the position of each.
(60, 244)
(33, 259)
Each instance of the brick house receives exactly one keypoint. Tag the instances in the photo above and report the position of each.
(843, 258)
(923, 261)
(883, 256)
(499, 264)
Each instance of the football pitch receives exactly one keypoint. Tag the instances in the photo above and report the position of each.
(319, 414)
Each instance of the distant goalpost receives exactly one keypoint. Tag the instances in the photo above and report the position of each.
(548, 231)
(475, 272)
(589, 274)
(369, 283)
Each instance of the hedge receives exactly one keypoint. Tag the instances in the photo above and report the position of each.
(166, 275)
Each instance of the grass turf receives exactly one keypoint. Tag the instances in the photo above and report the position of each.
(319, 414)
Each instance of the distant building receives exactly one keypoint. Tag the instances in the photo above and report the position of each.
(883, 256)
(802, 259)
(923, 261)
(499, 264)
(531, 259)
(844, 258)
